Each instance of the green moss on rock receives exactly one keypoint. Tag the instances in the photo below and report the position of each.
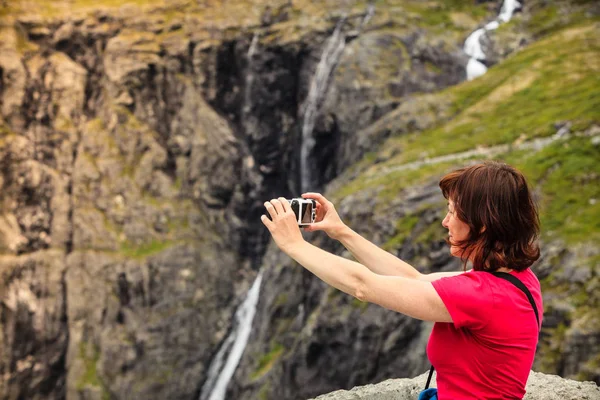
(404, 228)
(90, 376)
(266, 361)
(144, 250)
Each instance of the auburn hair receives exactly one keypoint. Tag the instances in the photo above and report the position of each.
(494, 200)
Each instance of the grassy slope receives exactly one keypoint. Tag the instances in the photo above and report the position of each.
(553, 81)
(446, 19)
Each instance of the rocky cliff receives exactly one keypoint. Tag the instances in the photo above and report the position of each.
(138, 142)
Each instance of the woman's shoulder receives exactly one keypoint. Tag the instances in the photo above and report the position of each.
(526, 276)
(529, 279)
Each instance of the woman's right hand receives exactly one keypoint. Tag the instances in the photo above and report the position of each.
(327, 219)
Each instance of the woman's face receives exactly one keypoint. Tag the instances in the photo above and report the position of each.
(457, 229)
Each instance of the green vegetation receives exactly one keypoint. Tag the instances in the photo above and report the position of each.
(404, 227)
(522, 98)
(568, 176)
(545, 20)
(263, 393)
(266, 361)
(389, 183)
(144, 250)
(453, 18)
(549, 17)
(90, 374)
(438, 16)
(551, 81)
(432, 68)
(591, 365)
(5, 133)
(551, 347)
(281, 300)
(433, 232)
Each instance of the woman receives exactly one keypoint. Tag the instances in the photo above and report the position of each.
(485, 333)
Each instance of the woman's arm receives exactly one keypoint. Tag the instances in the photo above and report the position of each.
(415, 298)
(374, 257)
(368, 254)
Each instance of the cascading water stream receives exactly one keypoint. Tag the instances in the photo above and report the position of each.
(472, 47)
(318, 86)
(227, 358)
(250, 75)
(220, 371)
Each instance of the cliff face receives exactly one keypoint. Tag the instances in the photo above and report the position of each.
(310, 339)
(137, 149)
(138, 143)
(118, 185)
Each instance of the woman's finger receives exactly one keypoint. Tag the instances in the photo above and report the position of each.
(285, 204)
(313, 227)
(270, 209)
(315, 196)
(278, 206)
(267, 222)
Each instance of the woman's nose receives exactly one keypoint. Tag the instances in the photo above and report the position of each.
(445, 221)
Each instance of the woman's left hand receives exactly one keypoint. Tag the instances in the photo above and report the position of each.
(283, 224)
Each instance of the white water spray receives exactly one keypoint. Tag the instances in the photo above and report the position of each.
(472, 47)
(233, 347)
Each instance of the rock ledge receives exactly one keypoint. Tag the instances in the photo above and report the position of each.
(539, 387)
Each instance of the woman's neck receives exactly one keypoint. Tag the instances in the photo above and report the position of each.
(507, 270)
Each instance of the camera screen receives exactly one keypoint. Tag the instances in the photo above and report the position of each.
(306, 213)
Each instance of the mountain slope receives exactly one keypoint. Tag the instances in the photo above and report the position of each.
(537, 110)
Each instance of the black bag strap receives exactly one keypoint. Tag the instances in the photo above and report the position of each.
(429, 377)
(517, 282)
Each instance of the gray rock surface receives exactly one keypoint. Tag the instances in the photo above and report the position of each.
(539, 387)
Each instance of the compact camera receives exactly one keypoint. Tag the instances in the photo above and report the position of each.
(304, 209)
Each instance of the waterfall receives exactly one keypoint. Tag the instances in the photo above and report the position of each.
(472, 47)
(329, 59)
(250, 74)
(318, 87)
(221, 370)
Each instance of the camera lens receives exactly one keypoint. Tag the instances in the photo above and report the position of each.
(296, 208)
